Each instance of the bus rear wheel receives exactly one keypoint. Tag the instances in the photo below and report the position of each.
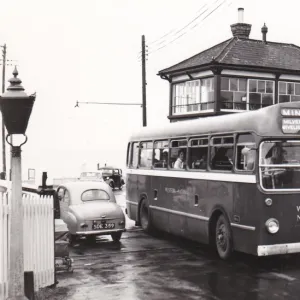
(223, 241)
(144, 217)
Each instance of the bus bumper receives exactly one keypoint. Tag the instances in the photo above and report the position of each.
(278, 249)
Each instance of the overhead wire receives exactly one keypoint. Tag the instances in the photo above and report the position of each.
(197, 24)
(170, 32)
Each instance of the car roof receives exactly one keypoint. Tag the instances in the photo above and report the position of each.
(76, 188)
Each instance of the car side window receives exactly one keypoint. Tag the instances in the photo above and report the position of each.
(61, 193)
(67, 197)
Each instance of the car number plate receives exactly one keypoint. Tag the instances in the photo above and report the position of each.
(97, 226)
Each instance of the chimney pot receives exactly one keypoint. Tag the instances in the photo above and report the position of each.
(240, 15)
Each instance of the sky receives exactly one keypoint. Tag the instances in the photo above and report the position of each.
(88, 51)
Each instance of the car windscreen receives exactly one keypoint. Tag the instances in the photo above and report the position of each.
(94, 195)
(280, 165)
(107, 172)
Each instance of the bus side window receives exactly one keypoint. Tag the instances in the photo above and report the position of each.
(134, 155)
(245, 152)
(221, 153)
(198, 153)
(161, 154)
(178, 151)
(146, 154)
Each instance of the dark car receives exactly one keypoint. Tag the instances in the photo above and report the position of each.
(112, 176)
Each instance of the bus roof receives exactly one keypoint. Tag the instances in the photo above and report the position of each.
(264, 122)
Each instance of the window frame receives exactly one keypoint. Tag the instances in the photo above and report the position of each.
(200, 103)
(211, 145)
(180, 147)
(201, 146)
(244, 144)
(153, 153)
(286, 82)
(140, 151)
(248, 78)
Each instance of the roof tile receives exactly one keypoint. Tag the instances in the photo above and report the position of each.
(238, 51)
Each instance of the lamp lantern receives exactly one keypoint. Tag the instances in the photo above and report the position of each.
(16, 106)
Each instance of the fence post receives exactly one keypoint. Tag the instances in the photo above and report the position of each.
(29, 284)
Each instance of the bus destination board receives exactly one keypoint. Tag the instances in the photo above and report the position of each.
(291, 125)
(290, 112)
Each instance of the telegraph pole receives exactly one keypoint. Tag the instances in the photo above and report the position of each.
(2, 125)
(144, 83)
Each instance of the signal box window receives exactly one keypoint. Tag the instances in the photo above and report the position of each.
(245, 152)
(146, 154)
(178, 154)
(198, 153)
(135, 155)
(221, 153)
(161, 154)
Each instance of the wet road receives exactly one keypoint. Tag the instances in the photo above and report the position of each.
(163, 267)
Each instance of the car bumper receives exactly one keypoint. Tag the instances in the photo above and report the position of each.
(99, 232)
(278, 249)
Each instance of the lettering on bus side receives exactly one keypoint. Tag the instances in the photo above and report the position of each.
(174, 191)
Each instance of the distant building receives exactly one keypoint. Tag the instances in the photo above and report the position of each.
(236, 75)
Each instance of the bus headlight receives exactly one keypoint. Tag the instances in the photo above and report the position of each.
(272, 225)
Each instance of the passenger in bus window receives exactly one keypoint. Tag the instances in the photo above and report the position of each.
(249, 158)
(276, 155)
(221, 161)
(179, 162)
(200, 163)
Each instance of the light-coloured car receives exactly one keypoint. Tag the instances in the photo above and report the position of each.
(90, 209)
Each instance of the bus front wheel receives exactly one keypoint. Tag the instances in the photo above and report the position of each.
(224, 243)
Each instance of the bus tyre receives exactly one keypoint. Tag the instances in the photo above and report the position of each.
(224, 243)
(144, 217)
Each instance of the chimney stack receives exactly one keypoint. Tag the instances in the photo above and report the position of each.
(264, 31)
(241, 29)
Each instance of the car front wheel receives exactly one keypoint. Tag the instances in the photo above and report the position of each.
(116, 236)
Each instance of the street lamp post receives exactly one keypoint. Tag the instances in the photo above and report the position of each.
(16, 107)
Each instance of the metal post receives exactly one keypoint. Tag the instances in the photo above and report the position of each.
(2, 123)
(16, 259)
(144, 81)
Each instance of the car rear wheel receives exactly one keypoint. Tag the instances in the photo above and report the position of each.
(224, 242)
(116, 236)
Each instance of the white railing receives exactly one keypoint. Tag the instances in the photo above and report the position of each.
(38, 240)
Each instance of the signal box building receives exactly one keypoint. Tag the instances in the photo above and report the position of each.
(236, 75)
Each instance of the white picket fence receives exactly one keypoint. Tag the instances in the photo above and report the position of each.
(38, 240)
